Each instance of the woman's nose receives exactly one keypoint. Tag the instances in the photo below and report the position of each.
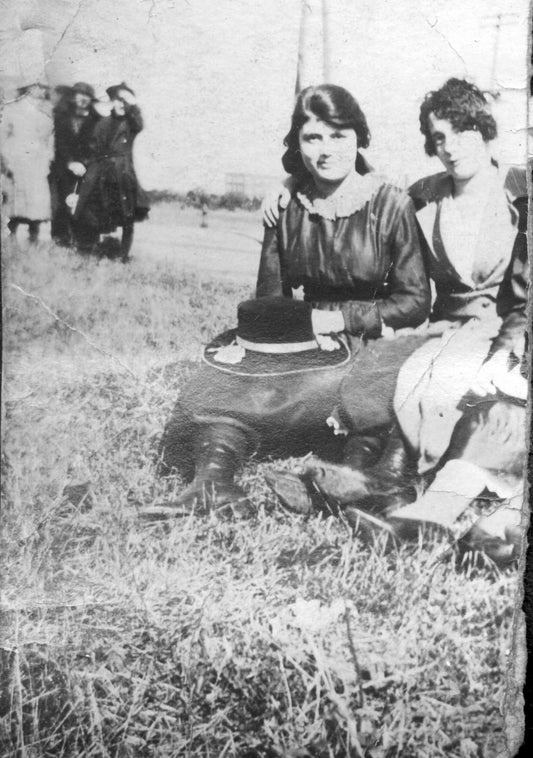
(451, 144)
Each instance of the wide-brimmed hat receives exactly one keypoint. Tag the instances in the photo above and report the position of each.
(274, 336)
(113, 91)
(83, 89)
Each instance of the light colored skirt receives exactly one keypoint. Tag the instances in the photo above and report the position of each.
(433, 383)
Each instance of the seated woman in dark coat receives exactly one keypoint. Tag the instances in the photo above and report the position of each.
(110, 194)
(350, 240)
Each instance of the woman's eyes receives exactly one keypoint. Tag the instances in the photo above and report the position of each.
(319, 137)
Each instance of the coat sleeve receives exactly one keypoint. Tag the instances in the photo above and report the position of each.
(409, 300)
(512, 296)
(270, 279)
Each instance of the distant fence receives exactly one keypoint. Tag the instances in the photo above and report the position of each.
(199, 198)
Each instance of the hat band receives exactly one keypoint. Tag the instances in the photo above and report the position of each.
(277, 349)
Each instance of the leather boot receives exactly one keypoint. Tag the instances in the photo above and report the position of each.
(390, 482)
(295, 491)
(219, 451)
(395, 464)
(33, 231)
(363, 451)
(126, 241)
(378, 488)
(349, 482)
(330, 485)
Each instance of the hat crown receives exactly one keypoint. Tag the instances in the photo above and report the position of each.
(274, 337)
(275, 321)
(84, 89)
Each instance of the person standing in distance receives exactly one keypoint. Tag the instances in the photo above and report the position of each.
(110, 193)
(75, 119)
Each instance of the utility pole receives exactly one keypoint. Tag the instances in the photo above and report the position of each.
(326, 36)
(314, 47)
(496, 21)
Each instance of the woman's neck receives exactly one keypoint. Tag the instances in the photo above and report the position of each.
(477, 184)
(328, 189)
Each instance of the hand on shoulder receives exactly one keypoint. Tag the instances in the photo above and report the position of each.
(276, 200)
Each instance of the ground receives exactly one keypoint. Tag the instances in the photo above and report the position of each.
(273, 636)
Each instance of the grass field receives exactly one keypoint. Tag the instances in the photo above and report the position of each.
(272, 637)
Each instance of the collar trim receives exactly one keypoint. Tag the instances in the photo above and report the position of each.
(350, 197)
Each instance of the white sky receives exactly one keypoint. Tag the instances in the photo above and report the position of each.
(215, 78)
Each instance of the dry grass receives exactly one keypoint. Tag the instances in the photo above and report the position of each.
(277, 636)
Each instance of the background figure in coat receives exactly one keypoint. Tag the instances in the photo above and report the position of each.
(74, 121)
(27, 149)
(110, 194)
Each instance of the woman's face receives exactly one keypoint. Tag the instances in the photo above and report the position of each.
(463, 154)
(328, 152)
(81, 102)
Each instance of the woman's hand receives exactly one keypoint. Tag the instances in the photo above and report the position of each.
(273, 202)
(128, 98)
(437, 328)
(78, 169)
(490, 373)
(326, 322)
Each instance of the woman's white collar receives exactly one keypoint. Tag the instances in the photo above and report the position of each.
(350, 197)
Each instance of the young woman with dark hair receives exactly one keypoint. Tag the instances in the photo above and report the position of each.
(335, 106)
(463, 105)
(349, 239)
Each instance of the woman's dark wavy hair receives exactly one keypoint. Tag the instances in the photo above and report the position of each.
(334, 105)
(461, 103)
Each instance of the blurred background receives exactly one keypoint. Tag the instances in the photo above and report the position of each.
(216, 81)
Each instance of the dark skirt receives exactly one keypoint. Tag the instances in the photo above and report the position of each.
(286, 415)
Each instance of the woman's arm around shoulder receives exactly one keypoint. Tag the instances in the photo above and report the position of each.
(271, 278)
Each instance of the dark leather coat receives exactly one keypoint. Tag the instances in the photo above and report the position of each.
(71, 145)
(110, 193)
(369, 264)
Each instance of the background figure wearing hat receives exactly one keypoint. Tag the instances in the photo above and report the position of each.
(110, 194)
(27, 149)
(74, 121)
(350, 239)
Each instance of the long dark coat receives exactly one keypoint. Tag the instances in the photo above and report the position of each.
(110, 194)
(70, 146)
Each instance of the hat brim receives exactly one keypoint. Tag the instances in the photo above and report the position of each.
(93, 98)
(113, 91)
(269, 364)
